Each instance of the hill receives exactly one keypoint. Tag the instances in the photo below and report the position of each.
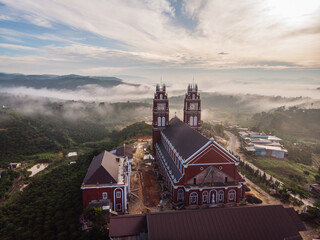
(292, 122)
(56, 82)
(39, 125)
(299, 129)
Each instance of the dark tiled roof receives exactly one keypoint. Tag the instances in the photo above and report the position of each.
(175, 170)
(185, 139)
(124, 151)
(127, 225)
(262, 222)
(295, 218)
(103, 169)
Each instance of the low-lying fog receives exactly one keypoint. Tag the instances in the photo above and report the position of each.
(232, 96)
(124, 92)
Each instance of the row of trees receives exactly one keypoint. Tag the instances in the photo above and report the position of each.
(282, 192)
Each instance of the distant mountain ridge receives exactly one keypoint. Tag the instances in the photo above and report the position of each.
(71, 81)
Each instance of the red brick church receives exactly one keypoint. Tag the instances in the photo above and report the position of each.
(196, 170)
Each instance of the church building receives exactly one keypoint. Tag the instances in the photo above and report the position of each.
(196, 170)
(107, 182)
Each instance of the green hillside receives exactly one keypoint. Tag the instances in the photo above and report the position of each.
(59, 126)
(299, 129)
(293, 122)
(50, 207)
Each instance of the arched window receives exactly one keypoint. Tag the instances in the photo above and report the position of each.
(159, 121)
(191, 121)
(232, 195)
(160, 96)
(180, 196)
(221, 196)
(193, 97)
(104, 195)
(163, 121)
(195, 120)
(194, 198)
(205, 197)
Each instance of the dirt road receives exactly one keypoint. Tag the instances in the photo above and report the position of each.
(145, 188)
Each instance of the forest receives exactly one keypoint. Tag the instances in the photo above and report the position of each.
(50, 207)
(60, 126)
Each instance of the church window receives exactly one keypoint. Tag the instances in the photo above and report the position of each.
(118, 194)
(159, 121)
(193, 198)
(161, 96)
(221, 196)
(180, 196)
(191, 121)
(193, 97)
(195, 121)
(232, 195)
(163, 121)
(104, 195)
(204, 197)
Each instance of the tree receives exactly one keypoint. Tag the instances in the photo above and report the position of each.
(314, 211)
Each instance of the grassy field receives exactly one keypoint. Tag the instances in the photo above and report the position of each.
(286, 171)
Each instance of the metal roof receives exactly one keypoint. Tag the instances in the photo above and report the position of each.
(184, 139)
(127, 225)
(124, 151)
(262, 222)
(103, 169)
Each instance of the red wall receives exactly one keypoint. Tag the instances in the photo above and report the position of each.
(209, 196)
(192, 170)
(96, 194)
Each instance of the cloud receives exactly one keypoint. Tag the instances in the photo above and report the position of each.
(6, 18)
(39, 21)
(16, 47)
(135, 37)
(122, 92)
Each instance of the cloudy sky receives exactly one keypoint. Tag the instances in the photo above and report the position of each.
(243, 41)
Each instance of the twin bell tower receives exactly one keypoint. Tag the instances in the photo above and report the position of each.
(191, 110)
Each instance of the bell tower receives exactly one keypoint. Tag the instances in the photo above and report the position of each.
(192, 108)
(160, 113)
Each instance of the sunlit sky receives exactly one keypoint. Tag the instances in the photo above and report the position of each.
(227, 40)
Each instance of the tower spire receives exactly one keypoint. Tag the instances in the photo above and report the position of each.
(192, 107)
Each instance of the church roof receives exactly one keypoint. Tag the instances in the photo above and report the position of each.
(103, 169)
(254, 222)
(124, 151)
(167, 158)
(184, 139)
